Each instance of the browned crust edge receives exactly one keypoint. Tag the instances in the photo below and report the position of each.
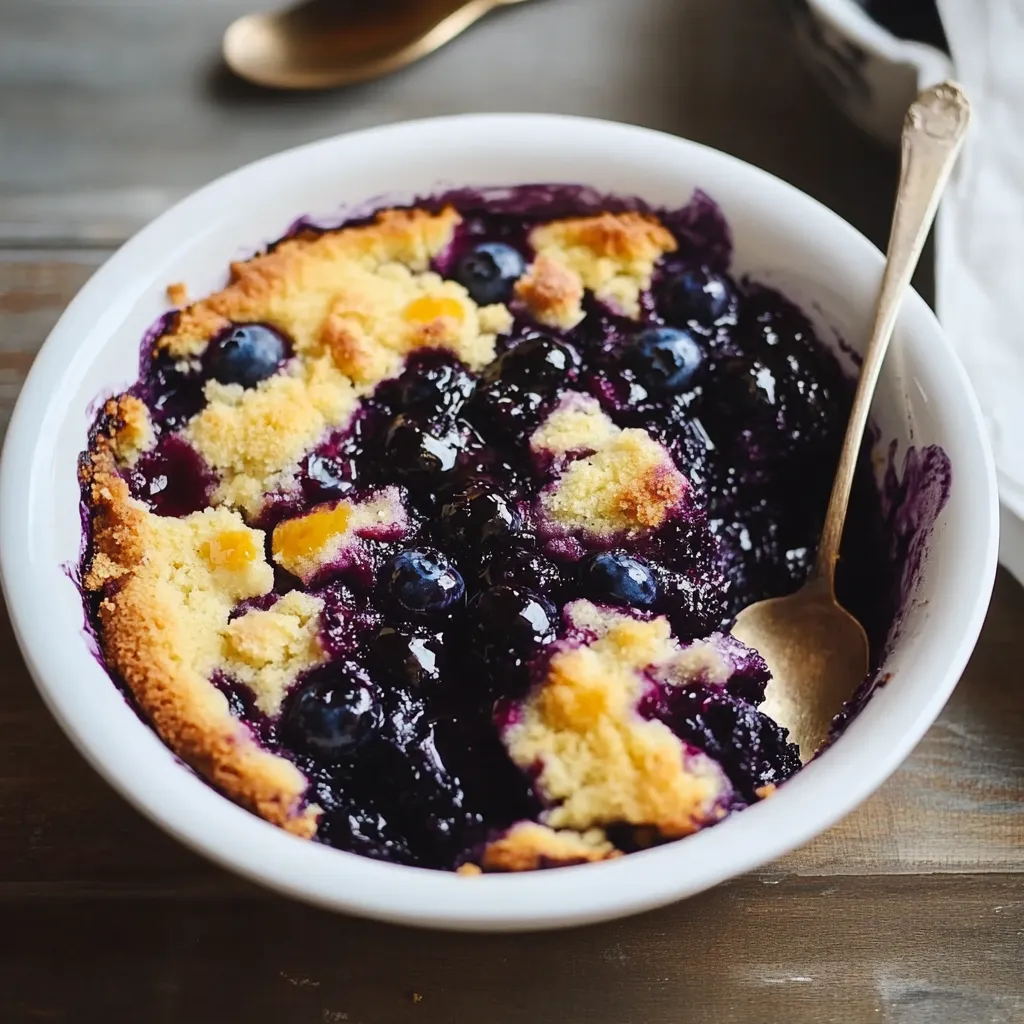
(139, 639)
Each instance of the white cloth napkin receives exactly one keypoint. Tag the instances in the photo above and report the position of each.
(980, 238)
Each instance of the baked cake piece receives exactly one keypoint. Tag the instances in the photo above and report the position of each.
(421, 537)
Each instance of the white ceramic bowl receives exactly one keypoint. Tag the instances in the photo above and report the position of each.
(781, 236)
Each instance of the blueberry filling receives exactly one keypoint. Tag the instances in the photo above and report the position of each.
(433, 637)
(172, 479)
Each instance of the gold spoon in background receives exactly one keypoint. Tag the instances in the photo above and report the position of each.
(816, 650)
(320, 44)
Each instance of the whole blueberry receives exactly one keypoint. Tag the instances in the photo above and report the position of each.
(247, 354)
(619, 578)
(334, 713)
(435, 384)
(422, 582)
(419, 453)
(538, 362)
(665, 359)
(410, 658)
(479, 517)
(511, 409)
(526, 569)
(509, 623)
(489, 271)
(696, 294)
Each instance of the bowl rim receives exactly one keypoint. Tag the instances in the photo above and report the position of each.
(137, 764)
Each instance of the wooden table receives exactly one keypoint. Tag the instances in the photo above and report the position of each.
(910, 911)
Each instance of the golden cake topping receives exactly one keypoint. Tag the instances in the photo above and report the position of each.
(528, 846)
(599, 762)
(292, 286)
(377, 317)
(552, 292)
(130, 430)
(269, 650)
(232, 550)
(309, 543)
(613, 255)
(254, 438)
(616, 482)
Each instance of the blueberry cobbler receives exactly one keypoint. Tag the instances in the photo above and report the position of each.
(423, 536)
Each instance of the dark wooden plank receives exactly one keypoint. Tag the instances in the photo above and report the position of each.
(34, 289)
(112, 111)
(905, 951)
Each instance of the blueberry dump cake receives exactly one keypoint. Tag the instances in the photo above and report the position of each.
(423, 536)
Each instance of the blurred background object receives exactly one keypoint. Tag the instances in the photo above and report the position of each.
(872, 56)
(321, 44)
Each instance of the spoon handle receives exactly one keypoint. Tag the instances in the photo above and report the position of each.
(933, 133)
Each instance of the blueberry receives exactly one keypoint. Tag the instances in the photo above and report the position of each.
(665, 359)
(479, 517)
(177, 392)
(509, 623)
(514, 410)
(324, 478)
(621, 579)
(334, 713)
(694, 600)
(526, 569)
(753, 749)
(696, 294)
(408, 658)
(538, 362)
(172, 478)
(247, 354)
(433, 386)
(422, 582)
(418, 454)
(489, 271)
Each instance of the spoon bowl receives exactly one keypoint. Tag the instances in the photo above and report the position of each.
(322, 44)
(816, 651)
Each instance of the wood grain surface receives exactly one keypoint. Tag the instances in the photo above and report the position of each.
(909, 911)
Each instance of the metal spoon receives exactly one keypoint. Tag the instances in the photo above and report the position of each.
(320, 44)
(816, 650)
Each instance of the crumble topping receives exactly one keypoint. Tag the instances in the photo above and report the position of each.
(528, 846)
(552, 292)
(597, 761)
(130, 430)
(269, 650)
(620, 482)
(611, 254)
(321, 538)
(161, 626)
(376, 318)
(254, 438)
(293, 285)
